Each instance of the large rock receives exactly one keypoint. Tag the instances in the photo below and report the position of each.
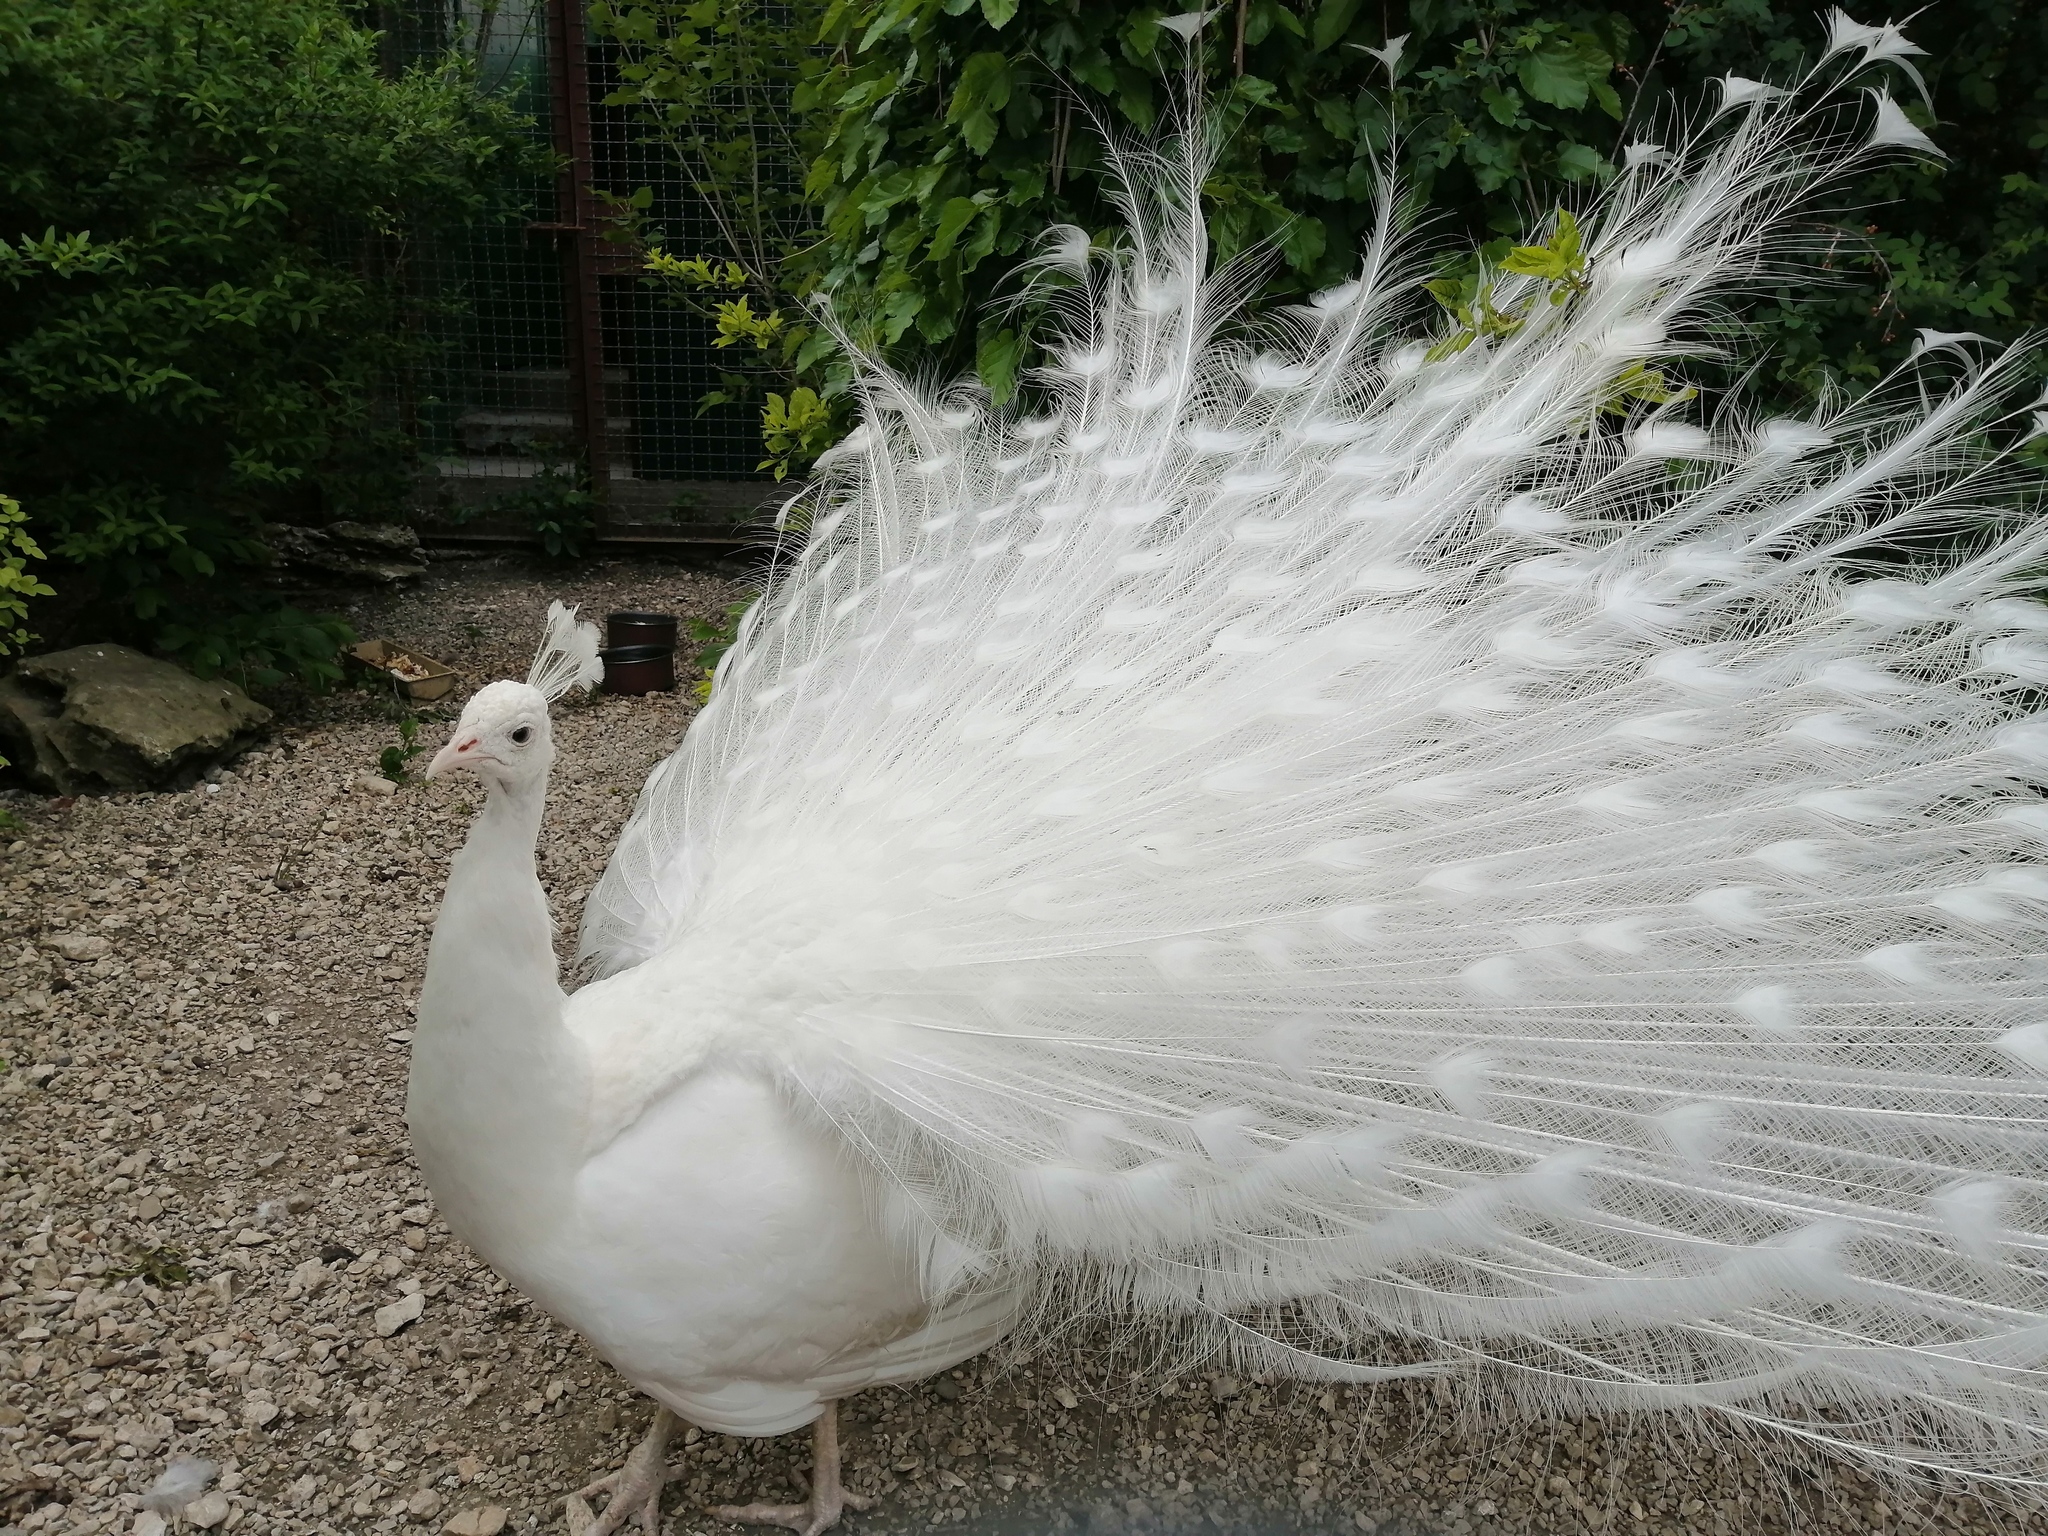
(102, 717)
(362, 554)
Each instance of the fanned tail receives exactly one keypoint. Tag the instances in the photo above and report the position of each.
(1334, 835)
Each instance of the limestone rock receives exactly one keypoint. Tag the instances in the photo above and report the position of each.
(358, 554)
(394, 1317)
(81, 947)
(103, 717)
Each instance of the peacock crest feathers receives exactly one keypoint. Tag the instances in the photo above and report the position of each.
(567, 657)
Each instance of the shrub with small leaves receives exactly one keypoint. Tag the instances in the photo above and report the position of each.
(208, 216)
(261, 647)
(17, 582)
(714, 638)
(395, 762)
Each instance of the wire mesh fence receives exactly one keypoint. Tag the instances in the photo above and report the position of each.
(566, 384)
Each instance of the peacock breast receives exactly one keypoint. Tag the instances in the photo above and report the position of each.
(725, 1242)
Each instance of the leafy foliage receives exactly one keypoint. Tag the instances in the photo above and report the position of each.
(951, 133)
(559, 507)
(160, 1267)
(206, 219)
(395, 762)
(714, 638)
(796, 430)
(259, 645)
(17, 582)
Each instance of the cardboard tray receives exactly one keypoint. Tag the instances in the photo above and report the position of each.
(415, 675)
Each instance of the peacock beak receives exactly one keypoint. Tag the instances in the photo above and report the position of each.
(464, 750)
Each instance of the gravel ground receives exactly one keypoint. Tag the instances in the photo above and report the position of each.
(214, 1242)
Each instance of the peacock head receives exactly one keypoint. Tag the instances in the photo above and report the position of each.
(503, 736)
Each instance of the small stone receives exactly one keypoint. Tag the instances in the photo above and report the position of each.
(259, 1413)
(423, 1503)
(207, 1512)
(406, 1309)
(375, 784)
(148, 1523)
(80, 946)
(310, 1276)
(249, 1237)
(363, 1441)
(1065, 1397)
(145, 1438)
(484, 1520)
(148, 1208)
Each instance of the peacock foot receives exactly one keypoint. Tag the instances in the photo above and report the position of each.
(829, 1497)
(635, 1488)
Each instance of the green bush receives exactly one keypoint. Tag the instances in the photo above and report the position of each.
(17, 585)
(17, 582)
(945, 135)
(207, 219)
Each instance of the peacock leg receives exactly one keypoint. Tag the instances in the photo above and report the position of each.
(829, 1497)
(635, 1488)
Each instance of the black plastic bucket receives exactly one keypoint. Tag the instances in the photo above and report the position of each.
(624, 629)
(639, 668)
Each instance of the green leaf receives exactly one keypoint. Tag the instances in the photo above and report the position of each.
(1580, 162)
(997, 357)
(954, 217)
(1447, 291)
(1333, 20)
(984, 90)
(998, 13)
(1559, 75)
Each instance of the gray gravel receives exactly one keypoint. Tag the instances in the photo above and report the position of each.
(213, 1241)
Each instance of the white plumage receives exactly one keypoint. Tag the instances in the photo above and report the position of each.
(1358, 852)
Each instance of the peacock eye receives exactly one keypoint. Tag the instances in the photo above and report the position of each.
(521, 736)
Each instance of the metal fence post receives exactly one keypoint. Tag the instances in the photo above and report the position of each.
(575, 230)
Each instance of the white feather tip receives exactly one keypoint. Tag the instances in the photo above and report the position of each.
(567, 657)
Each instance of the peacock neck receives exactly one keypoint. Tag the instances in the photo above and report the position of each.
(508, 830)
(499, 1089)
